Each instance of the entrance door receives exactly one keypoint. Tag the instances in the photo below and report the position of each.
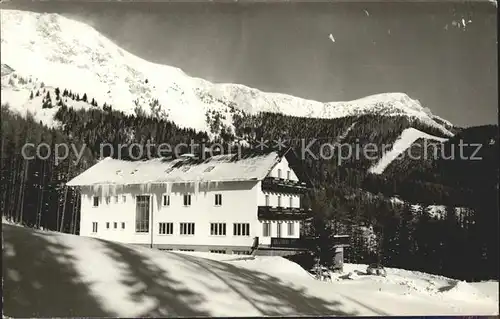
(142, 209)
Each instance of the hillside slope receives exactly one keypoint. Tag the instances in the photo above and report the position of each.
(69, 54)
(58, 275)
(399, 148)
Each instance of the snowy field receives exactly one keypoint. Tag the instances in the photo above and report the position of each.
(58, 275)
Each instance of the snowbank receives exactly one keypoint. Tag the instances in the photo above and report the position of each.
(48, 274)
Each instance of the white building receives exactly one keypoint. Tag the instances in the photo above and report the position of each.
(225, 203)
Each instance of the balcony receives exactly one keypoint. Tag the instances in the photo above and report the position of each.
(280, 185)
(305, 242)
(294, 243)
(341, 240)
(282, 213)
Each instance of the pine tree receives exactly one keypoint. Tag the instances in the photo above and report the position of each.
(84, 98)
(31, 95)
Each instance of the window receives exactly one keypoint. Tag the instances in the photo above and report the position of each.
(241, 229)
(279, 200)
(166, 200)
(241, 252)
(115, 225)
(288, 175)
(166, 249)
(166, 228)
(94, 227)
(187, 200)
(208, 169)
(291, 202)
(96, 201)
(218, 229)
(142, 214)
(218, 251)
(187, 228)
(279, 173)
(116, 199)
(218, 199)
(123, 225)
(107, 225)
(267, 200)
(108, 200)
(186, 249)
(124, 198)
(278, 230)
(290, 229)
(266, 229)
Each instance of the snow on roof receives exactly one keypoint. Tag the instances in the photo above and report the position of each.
(219, 168)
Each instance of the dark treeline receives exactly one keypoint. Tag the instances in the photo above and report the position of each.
(460, 242)
(346, 198)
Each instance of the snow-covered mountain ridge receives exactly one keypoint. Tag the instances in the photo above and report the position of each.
(69, 54)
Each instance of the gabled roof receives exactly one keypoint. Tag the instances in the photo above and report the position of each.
(220, 168)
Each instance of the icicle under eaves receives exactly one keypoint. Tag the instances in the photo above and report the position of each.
(168, 188)
(196, 185)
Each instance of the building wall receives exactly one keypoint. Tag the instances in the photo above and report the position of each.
(239, 205)
(285, 202)
(284, 168)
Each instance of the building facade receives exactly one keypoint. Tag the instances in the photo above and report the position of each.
(223, 204)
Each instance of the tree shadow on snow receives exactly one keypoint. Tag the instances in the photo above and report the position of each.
(39, 279)
(171, 297)
(268, 294)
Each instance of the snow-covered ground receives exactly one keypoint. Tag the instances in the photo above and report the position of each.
(69, 54)
(403, 143)
(52, 274)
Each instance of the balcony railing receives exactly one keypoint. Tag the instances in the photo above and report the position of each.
(282, 213)
(298, 243)
(305, 242)
(280, 185)
(341, 240)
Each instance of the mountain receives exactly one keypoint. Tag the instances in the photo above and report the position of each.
(69, 54)
(82, 89)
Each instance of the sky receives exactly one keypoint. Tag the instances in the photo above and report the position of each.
(422, 49)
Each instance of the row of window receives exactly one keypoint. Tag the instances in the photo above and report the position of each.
(116, 200)
(288, 174)
(290, 201)
(187, 200)
(216, 229)
(235, 252)
(165, 200)
(108, 226)
(216, 251)
(266, 229)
